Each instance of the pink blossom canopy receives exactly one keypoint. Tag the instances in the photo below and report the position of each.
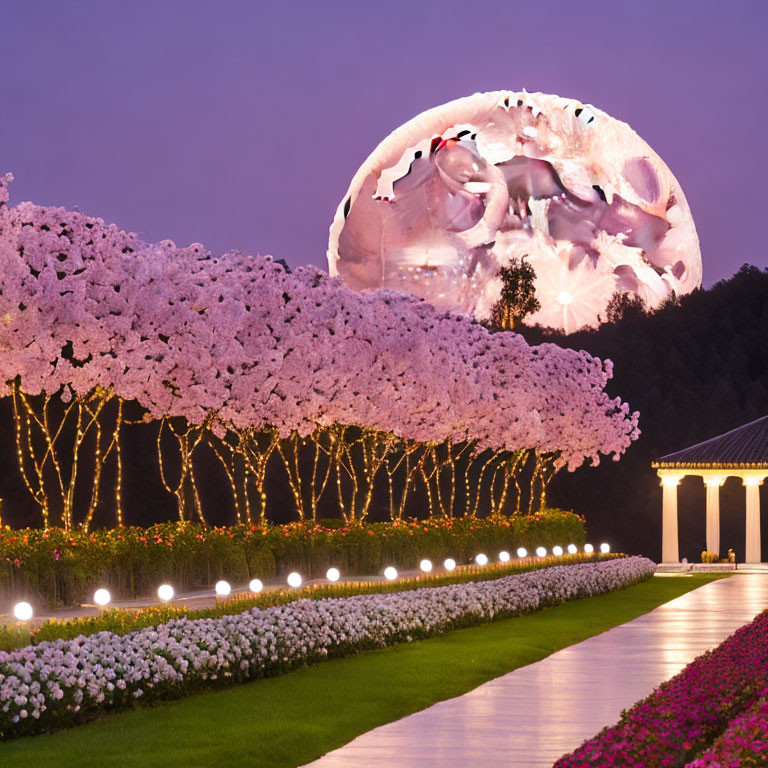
(241, 342)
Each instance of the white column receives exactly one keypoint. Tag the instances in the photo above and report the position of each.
(713, 513)
(669, 548)
(753, 553)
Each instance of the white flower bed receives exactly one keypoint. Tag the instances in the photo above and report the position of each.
(56, 683)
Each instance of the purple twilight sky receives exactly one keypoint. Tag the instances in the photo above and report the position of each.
(240, 124)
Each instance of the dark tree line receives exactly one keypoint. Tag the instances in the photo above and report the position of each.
(695, 368)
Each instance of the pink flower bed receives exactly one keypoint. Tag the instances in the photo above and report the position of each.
(713, 714)
(744, 743)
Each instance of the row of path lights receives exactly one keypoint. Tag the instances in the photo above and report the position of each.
(390, 573)
(557, 551)
(102, 598)
(23, 611)
(294, 580)
(165, 592)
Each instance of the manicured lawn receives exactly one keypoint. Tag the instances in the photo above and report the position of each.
(290, 720)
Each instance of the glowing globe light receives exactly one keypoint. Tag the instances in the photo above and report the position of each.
(481, 559)
(333, 574)
(589, 549)
(223, 588)
(294, 579)
(23, 611)
(572, 549)
(102, 597)
(449, 564)
(541, 552)
(390, 573)
(165, 592)
(557, 551)
(605, 548)
(504, 557)
(522, 552)
(255, 586)
(451, 196)
(425, 565)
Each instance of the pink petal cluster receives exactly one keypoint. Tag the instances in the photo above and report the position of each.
(721, 692)
(239, 341)
(744, 742)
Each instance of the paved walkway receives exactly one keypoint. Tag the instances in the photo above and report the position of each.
(532, 716)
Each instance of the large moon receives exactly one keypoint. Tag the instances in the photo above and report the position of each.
(455, 193)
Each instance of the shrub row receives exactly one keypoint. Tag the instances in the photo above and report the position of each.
(59, 683)
(124, 620)
(53, 567)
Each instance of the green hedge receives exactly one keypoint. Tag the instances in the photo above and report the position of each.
(55, 568)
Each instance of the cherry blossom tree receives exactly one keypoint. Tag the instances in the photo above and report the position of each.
(262, 364)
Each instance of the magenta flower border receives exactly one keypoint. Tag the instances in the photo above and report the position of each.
(716, 702)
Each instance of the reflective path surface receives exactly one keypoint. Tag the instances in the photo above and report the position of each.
(532, 716)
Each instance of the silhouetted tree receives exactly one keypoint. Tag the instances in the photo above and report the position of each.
(518, 296)
(624, 305)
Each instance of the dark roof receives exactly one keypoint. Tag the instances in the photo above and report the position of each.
(743, 447)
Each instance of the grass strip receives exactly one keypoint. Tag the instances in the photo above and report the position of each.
(293, 719)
